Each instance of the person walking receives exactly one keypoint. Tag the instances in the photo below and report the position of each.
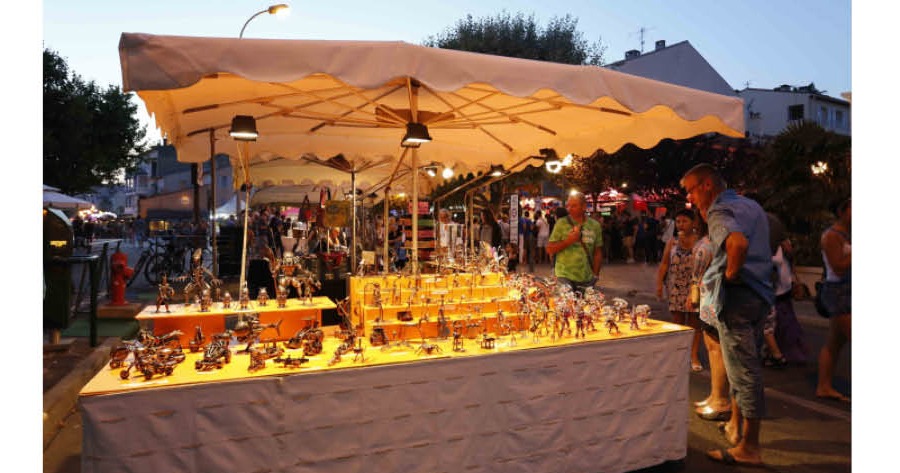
(577, 243)
(674, 278)
(736, 293)
(543, 235)
(836, 256)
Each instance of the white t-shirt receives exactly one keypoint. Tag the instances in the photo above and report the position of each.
(783, 285)
(543, 228)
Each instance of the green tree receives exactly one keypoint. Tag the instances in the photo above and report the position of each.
(91, 135)
(520, 36)
(787, 186)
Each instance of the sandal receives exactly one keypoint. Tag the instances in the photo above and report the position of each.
(696, 367)
(778, 363)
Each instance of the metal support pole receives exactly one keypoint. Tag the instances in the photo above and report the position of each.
(212, 211)
(353, 228)
(415, 212)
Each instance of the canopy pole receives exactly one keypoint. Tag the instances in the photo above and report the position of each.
(212, 189)
(243, 279)
(387, 203)
(353, 228)
(415, 212)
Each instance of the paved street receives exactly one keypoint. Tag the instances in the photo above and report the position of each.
(801, 434)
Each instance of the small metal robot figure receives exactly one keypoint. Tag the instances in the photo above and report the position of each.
(166, 292)
(281, 297)
(226, 300)
(263, 297)
(205, 300)
(244, 300)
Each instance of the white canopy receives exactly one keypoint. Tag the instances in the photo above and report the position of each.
(63, 201)
(356, 97)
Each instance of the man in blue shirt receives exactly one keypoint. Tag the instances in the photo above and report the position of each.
(736, 294)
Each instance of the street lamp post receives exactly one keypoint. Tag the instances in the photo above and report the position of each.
(281, 8)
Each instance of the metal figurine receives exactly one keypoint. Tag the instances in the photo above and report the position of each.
(621, 305)
(359, 353)
(378, 337)
(197, 342)
(226, 300)
(634, 321)
(609, 313)
(244, 298)
(262, 298)
(457, 336)
(248, 330)
(579, 326)
(291, 362)
(166, 292)
(215, 356)
(281, 297)
(198, 275)
(205, 301)
(151, 362)
(443, 327)
(428, 349)
(258, 356)
(643, 312)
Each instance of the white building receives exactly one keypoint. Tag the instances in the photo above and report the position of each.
(768, 111)
(678, 64)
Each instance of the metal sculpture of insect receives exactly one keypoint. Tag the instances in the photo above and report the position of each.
(249, 328)
(197, 275)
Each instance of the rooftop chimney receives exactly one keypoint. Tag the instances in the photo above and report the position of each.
(661, 44)
(632, 53)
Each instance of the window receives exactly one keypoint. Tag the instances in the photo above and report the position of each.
(839, 120)
(795, 112)
(823, 116)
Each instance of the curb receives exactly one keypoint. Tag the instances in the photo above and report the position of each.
(62, 397)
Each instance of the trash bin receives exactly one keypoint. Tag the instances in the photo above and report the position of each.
(59, 240)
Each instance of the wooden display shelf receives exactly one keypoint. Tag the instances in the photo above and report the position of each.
(295, 316)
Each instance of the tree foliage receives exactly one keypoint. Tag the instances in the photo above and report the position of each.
(785, 182)
(91, 135)
(520, 36)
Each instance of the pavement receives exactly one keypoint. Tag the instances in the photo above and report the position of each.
(800, 434)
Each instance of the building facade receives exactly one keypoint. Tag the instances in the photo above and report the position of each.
(767, 112)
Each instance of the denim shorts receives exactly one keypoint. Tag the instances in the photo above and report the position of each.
(740, 326)
(576, 286)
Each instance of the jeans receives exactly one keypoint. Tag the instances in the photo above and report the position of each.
(740, 327)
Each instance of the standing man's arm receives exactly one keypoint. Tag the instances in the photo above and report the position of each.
(598, 261)
(736, 245)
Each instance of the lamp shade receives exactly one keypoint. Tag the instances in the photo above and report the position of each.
(243, 128)
(416, 134)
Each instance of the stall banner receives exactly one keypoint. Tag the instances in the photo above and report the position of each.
(337, 213)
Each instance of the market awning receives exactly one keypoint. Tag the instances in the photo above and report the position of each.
(356, 97)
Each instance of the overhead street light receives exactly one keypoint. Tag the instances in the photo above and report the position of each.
(281, 9)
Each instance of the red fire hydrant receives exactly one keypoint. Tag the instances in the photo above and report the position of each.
(118, 277)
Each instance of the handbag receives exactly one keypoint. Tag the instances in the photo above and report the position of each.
(819, 302)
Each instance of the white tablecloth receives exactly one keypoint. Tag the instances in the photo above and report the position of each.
(610, 406)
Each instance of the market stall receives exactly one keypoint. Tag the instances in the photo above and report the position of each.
(440, 379)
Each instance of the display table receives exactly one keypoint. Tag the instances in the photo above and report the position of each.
(296, 315)
(610, 403)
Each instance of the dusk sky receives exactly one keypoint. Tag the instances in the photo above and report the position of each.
(761, 43)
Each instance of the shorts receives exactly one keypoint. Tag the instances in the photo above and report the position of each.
(836, 297)
(542, 241)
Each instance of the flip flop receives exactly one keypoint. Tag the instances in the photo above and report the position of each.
(701, 403)
(696, 367)
(708, 413)
(727, 458)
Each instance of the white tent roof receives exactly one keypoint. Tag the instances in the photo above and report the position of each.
(356, 97)
(63, 201)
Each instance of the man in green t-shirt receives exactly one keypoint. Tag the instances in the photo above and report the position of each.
(577, 242)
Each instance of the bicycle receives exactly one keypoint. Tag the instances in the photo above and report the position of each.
(146, 254)
(171, 262)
